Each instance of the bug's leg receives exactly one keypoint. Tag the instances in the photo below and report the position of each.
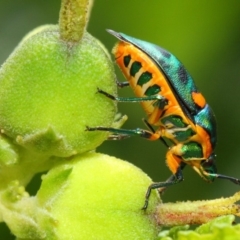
(148, 125)
(120, 133)
(153, 131)
(178, 177)
(118, 137)
(211, 176)
(170, 179)
(122, 84)
(174, 163)
(232, 179)
(157, 98)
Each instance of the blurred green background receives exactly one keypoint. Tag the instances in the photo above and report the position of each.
(204, 35)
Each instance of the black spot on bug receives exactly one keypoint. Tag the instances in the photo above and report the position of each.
(126, 60)
(136, 66)
(144, 78)
(165, 53)
(154, 89)
(163, 64)
(182, 74)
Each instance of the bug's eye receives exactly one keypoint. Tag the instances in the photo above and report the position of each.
(209, 164)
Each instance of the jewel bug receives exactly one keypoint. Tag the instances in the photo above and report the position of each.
(173, 105)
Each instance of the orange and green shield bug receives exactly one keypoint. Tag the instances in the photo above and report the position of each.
(177, 112)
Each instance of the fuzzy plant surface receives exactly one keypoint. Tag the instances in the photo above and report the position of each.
(48, 97)
(91, 196)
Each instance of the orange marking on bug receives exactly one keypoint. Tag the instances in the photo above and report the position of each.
(118, 49)
(173, 162)
(155, 136)
(199, 99)
(154, 116)
(205, 141)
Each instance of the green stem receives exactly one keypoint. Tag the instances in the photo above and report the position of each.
(73, 19)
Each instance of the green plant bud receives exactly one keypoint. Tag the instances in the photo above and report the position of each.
(8, 153)
(48, 93)
(95, 196)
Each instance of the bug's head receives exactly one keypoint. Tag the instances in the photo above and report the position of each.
(208, 171)
(207, 168)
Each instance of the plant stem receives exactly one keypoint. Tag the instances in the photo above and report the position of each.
(196, 212)
(73, 19)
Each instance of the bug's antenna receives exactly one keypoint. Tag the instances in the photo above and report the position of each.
(216, 175)
(232, 179)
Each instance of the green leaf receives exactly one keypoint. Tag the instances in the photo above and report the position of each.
(220, 228)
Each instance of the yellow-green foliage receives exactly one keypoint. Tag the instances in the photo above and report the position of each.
(221, 228)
